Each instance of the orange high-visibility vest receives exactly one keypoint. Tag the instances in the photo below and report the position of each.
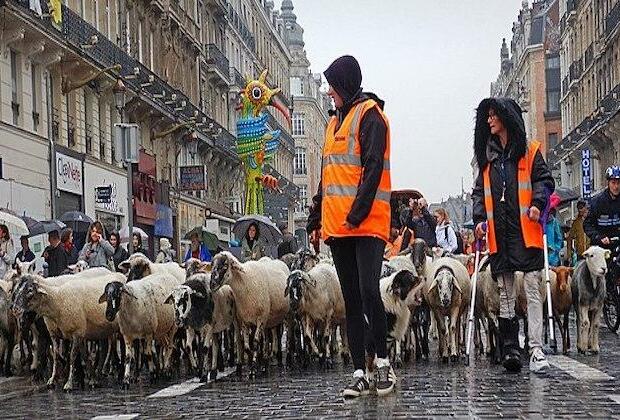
(532, 231)
(342, 173)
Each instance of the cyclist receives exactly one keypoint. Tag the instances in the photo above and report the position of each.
(603, 221)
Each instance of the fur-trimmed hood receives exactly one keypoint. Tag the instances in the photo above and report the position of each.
(510, 114)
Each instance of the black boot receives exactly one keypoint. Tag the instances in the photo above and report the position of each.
(511, 354)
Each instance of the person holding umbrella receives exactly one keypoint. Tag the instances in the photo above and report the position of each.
(25, 255)
(6, 250)
(197, 249)
(70, 248)
(55, 255)
(511, 191)
(251, 246)
(97, 251)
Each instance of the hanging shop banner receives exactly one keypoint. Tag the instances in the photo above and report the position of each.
(586, 174)
(69, 175)
(192, 178)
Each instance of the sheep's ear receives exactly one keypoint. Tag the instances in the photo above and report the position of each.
(169, 299)
(41, 291)
(125, 265)
(554, 269)
(286, 290)
(103, 298)
(237, 266)
(607, 254)
(72, 267)
(586, 254)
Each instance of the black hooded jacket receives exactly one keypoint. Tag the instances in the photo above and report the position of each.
(603, 219)
(512, 254)
(372, 138)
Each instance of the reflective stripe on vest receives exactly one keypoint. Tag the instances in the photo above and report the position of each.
(350, 191)
(532, 231)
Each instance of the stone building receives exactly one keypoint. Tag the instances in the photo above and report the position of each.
(530, 70)
(590, 99)
(309, 119)
(182, 64)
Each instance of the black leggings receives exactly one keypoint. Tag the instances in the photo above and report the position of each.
(358, 263)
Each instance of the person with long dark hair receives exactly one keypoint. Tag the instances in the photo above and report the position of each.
(66, 240)
(251, 247)
(97, 250)
(120, 253)
(511, 192)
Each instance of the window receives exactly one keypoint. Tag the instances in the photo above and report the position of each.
(34, 78)
(552, 141)
(553, 62)
(298, 124)
(14, 87)
(553, 101)
(88, 124)
(299, 163)
(303, 199)
(297, 86)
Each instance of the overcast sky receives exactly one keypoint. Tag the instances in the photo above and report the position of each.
(432, 61)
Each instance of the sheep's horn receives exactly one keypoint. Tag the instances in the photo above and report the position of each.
(433, 284)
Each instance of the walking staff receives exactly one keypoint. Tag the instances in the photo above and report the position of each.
(509, 194)
(351, 212)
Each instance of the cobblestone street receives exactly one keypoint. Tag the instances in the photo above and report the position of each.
(576, 386)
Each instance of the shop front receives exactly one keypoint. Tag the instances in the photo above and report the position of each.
(110, 209)
(69, 181)
(145, 187)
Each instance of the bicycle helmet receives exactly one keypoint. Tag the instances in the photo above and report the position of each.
(613, 172)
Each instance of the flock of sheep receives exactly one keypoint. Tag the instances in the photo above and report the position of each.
(95, 322)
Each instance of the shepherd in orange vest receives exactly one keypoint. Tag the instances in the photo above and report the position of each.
(351, 212)
(511, 191)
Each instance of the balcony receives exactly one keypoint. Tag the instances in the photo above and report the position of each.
(238, 23)
(217, 62)
(588, 57)
(187, 24)
(236, 78)
(576, 70)
(612, 20)
(219, 7)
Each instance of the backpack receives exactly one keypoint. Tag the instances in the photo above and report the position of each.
(460, 249)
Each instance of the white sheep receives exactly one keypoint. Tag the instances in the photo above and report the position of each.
(317, 298)
(142, 314)
(487, 308)
(139, 266)
(71, 310)
(205, 314)
(447, 291)
(259, 296)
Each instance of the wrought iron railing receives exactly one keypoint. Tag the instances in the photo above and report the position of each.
(238, 79)
(588, 57)
(612, 20)
(216, 57)
(240, 25)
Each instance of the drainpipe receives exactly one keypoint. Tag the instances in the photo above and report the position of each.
(52, 145)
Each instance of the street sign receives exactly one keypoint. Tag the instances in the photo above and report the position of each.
(126, 139)
(192, 178)
(103, 194)
(586, 174)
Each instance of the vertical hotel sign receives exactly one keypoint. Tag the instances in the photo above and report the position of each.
(586, 174)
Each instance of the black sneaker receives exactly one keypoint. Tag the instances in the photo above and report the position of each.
(358, 387)
(385, 379)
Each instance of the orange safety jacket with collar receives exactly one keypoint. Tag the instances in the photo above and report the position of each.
(532, 231)
(342, 172)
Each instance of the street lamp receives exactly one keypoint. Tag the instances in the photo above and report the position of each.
(120, 91)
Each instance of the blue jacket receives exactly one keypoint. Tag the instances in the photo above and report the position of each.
(555, 241)
(205, 255)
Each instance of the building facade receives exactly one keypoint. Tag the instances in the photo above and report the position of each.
(530, 70)
(309, 119)
(183, 64)
(590, 100)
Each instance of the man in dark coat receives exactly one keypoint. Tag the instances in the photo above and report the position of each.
(422, 223)
(289, 242)
(500, 141)
(55, 255)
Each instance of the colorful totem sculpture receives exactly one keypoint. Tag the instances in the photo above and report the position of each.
(255, 144)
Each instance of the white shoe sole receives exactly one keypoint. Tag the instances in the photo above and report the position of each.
(386, 391)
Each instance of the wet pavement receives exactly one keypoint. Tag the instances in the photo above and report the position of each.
(575, 387)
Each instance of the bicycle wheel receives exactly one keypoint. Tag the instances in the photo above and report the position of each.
(611, 311)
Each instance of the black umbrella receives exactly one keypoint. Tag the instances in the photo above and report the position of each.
(30, 222)
(269, 232)
(46, 226)
(77, 220)
(567, 195)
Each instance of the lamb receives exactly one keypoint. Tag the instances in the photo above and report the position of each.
(562, 301)
(258, 287)
(203, 313)
(395, 290)
(139, 266)
(487, 307)
(71, 311)
(589, 292)
(447, 291)
(317, 298)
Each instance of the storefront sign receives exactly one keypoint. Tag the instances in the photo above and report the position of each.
(103, 195)
(192, 178)
(163, 222)
(586, 174)
(69, 174)
(106, 198)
